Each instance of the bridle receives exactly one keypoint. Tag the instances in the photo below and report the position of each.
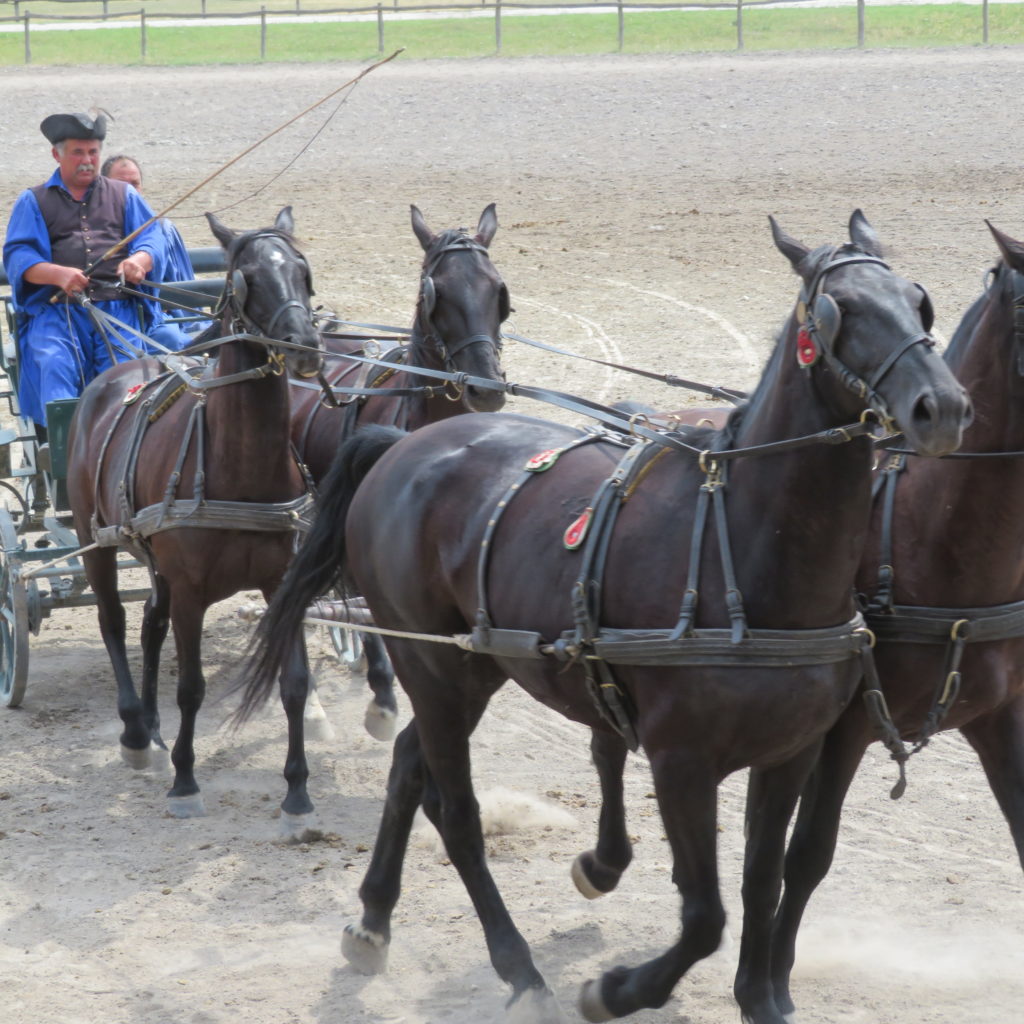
(452, 241)
(820, 318)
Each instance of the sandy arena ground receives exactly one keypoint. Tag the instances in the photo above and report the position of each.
(633, 197)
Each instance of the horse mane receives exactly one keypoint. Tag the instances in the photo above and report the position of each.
(808, 269)
(999, 277)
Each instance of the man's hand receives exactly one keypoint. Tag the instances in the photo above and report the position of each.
(71, 281)
(68, 279)
(135, 267)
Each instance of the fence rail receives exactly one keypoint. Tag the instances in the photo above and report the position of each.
(264, 17)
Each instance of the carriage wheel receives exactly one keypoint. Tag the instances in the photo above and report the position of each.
(21, 511)
(13, 617)
(348, 646)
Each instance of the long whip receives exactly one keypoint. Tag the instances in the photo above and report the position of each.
(114, 249)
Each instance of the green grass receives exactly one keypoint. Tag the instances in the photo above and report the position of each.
(554, 35)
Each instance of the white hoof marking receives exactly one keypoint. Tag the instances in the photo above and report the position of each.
(186, 806)
(298, 828)
(580, 880)
(137, 759)
(591, 1005)
(379, 722)
(366, 951)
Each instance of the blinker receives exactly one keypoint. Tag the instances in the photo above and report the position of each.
(429, 295)
(239, 288)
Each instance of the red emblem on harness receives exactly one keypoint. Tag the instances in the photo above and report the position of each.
(576, 533)
(545, 460)
(132, 393)
(806, 351)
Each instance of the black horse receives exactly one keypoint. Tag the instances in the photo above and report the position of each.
(194, 472)
(943, 585)
(577, 563)
(460, 307)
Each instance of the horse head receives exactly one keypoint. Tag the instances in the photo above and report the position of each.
(1010, 275)
(462, 304)
(864, 331)
(268, 290)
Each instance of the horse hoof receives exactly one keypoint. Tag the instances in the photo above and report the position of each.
(186, 806)
(318, 728)
(366, 951)
(137, 759)
(297, 828)
(315, 723)
(591, 1005)
(159, 758)
(582, 881)
(380, 722)
(535, 1006)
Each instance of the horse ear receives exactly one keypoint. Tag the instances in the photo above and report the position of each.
(487, 226)
(285, 221)
(793, 250)
(420, 229)
(862, 234)
(1011, 250)
(221, 231)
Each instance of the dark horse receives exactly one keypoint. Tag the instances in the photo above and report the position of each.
(943, 584)
(194, 472)
(499, 535)
(461, 304)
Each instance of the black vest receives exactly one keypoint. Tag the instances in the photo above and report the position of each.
(81, 232)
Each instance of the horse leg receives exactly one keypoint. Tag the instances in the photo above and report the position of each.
(998, 740)
(446, 752)
(688, 799)
(184, 799)
(365, 945)
(155, 623)
(772, 795)
(382, 711)
(813, 842)
(296, 808)
(597, 872)
(101, 570)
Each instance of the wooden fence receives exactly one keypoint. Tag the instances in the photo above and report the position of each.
(122, 18)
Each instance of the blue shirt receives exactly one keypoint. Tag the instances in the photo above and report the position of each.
(28, 243)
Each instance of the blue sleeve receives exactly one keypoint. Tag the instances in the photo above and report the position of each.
(27, 243)
(179, 265)
(151, 240)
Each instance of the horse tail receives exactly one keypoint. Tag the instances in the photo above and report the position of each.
(318, 566)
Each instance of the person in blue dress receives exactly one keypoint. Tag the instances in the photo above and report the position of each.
(178, 266)
(57, 236)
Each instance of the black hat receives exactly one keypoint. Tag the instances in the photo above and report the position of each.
(58, 127)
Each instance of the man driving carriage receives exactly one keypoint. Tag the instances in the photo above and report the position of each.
(57, 236)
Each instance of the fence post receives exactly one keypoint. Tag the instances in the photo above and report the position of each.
(380, 27)
(984, 22)
(621, 27)
(739, 24)
(28, 44)
(203, 2)
(105, 10)
(142, 31)
(497, 25)
(860, 24)
(263, 33)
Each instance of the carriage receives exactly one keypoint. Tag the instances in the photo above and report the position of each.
(39, 568)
